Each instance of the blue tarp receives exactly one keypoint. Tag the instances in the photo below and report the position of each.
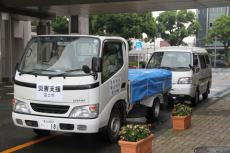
(148, 82)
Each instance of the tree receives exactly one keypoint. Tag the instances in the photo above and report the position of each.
(60, 25)
(221, 32)
(127, 25)
(174, 26)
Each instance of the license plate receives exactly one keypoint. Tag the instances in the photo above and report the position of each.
(48, 124)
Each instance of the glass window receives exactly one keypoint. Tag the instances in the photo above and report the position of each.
(112, 58)
(195, 60)
(59, 54)
(202, 61)
(171, 59)
(207, 59)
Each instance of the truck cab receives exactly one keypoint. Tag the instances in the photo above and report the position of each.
(72, 83)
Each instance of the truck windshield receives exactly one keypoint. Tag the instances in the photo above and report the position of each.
(54, 55)
(170, 60)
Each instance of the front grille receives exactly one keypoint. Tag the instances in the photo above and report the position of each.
(54, 109)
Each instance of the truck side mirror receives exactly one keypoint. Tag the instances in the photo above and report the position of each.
(197, 69)
(96, 64)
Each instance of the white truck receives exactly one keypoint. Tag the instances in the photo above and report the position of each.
(76, 83)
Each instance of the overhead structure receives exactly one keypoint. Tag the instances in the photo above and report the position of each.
(49, 8)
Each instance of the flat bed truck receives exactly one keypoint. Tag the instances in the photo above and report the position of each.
(78, 90)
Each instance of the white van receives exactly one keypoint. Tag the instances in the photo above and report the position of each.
(191, 71)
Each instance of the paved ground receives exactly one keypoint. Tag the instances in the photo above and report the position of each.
(210, 130)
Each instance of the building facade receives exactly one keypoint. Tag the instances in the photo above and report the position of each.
(206, 17)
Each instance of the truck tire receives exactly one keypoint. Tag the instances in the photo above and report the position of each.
(41, 132)
(153, 112)
(114, 125)
(195, 100)
(205, 95)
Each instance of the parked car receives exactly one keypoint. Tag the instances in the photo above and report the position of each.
(191, 71)
(220, 63)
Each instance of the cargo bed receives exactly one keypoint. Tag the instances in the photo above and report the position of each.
(148, 82)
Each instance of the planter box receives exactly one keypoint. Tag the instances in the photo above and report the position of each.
(142, 146)
(181, 122)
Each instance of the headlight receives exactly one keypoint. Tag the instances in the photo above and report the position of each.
(21, 107)
(185, 80)
(88, 111)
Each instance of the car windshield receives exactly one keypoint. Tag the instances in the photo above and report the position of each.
(54, 55)
(170, 60)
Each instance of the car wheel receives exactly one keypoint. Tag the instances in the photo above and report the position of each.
(41, 132)
(153, 112)
(195, 100)
(114, 125)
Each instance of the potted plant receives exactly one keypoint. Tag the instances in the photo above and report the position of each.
(135, 138)
(181, 116)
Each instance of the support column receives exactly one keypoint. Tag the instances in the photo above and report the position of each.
(43, 27)
(79, 24)
(14, 35)
(0, 49)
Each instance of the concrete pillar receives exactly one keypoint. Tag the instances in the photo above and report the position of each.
(14, 35)
(43, 27)
(0, 50)
(79, 24)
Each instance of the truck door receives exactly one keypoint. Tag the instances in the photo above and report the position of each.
(114, 71)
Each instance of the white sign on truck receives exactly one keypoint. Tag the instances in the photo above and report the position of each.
(81, 84)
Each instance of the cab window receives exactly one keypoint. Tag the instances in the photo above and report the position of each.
(112, 58)
(207, 59)
(202, 61)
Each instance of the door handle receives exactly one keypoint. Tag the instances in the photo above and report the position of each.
(123, 85)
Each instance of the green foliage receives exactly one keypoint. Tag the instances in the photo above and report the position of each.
(135, 132)
(60, 25)
(181, 110)
(133, 64)
(34, 23)
(221, 32)
(127, 25)
(174, 26)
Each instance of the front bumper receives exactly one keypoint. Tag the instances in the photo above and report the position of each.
(56, 123)
(185, 91)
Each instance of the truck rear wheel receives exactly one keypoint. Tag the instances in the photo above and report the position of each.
(41, 132)
(196, 99)
(114, 125)
(153, 112)
(205, 95)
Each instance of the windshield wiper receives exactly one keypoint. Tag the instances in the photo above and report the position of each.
(163, 67)
(73, 70)
(181, 67)
(34, 70)
(64, 73)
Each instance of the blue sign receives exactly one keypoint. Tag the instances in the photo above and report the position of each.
(138, 45)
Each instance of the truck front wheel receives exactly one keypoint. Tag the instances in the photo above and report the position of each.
(114, 125)
(41, 132)
(154, 111)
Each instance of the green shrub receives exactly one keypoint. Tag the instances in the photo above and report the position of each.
(181, 110)
(134, 132)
